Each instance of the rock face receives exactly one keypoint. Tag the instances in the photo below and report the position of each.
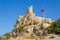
(30, 18)
(27, 27)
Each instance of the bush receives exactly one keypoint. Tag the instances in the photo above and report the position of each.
(0, 38)
(55, 27)
(7, 35)
(21, 28)
(14, 30)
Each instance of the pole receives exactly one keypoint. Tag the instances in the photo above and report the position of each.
(44, 14)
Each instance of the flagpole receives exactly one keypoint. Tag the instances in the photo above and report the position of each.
(43, 12)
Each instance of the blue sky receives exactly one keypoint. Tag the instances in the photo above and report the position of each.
(11, 9)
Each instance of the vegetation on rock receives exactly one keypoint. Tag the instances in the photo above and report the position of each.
(55, 27)
(7, 35)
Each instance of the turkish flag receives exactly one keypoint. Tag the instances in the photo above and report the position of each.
(42, 10)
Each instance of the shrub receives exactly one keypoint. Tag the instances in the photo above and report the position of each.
(7, 35)
(0, 38)
(55, 27)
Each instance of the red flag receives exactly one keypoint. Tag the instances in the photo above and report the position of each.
(42, 10)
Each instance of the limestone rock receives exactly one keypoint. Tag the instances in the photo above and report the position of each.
(25, 24)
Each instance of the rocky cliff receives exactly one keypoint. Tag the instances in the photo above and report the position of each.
(29, 26)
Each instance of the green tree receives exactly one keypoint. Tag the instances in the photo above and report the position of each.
(55, 27)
